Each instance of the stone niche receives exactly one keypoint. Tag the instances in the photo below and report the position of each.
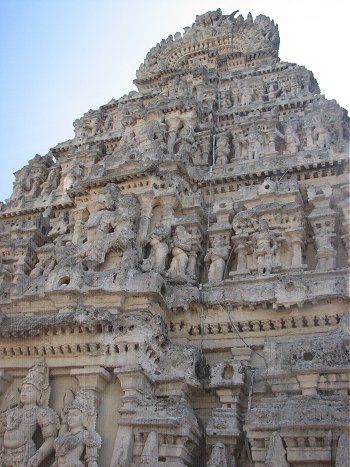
(173, 280)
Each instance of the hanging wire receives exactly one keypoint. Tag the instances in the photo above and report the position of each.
(240, 336)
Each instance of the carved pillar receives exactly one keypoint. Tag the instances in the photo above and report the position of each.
(225, 424)
(134, 384)
(169, 204)
(345, 224)
(322, 219)
(145, 219)
(308, 383)
(297, 241)
(173, 122)
(192, 263)
(150, 451)
(92, 379)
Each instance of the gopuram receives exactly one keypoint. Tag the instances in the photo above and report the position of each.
(174, 278)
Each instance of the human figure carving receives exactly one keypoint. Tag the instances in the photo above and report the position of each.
(291, 139)
(159, 251)
(109, 227)
(254, 143)
(73, 174)
(265, 245)
(77, 444)
(217, 257)
(180, 248)
(222, 150)
(218, 456)
(186, 143)
(321, 136)
(22, 422)
(246, 95)
(52, 181)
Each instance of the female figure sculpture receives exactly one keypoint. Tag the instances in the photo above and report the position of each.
(76, 445)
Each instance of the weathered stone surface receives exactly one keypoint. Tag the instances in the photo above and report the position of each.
(180, 268)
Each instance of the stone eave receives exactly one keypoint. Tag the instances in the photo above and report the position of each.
(238, 291)
(264, 172)
(34, 210)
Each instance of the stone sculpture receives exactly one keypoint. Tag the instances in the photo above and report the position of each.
(218, 456)
(265, 246)
(76, 444)
(217, 257)
(222, 150)
(156, 260)
(180, 248)
(19, 447)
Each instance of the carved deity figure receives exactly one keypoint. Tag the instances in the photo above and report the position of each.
(73, 174)
(240, 143)
(186, 143)
(246, 95)
(52, 181)
(150, 138)
(271, 91)
(76, 445)
(225, 100)
(291, 139)
(180, 248)
(222, 150)
(22, 422)
(159, 252)
(217, 257)
(37, 175)
(254, 143)
(265, 246)
(218, 456)
(29, 179)
(179, 88)
(321, 136)
(110, 226)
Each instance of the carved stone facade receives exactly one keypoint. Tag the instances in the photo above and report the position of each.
(173, 280)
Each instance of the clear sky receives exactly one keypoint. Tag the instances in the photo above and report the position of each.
(60, 58)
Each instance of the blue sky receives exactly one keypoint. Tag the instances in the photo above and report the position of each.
(60, 58)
